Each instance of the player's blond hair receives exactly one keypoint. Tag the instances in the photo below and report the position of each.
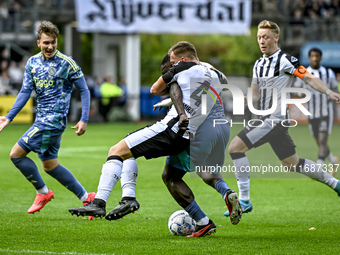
(48, 28)
(184, 49)
(270, 25)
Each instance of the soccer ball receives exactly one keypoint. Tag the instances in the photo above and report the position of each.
(181, 224)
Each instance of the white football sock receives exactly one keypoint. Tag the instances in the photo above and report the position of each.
(331, 158)
(43, 191)
(111, 173)
(84, 197)
(128, 179)
(203, 221)
(320, 162)
(243, 177)
(312, 170)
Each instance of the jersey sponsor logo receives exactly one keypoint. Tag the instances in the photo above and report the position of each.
(25, 139)
(293, 59)
(43, 83)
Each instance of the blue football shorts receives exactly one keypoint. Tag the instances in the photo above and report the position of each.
(42, 140)
(206, 149)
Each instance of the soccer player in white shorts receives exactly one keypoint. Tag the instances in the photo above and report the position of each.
(274, 70)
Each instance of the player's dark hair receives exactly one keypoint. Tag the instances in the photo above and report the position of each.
(184, 49)
(315, 50)
(166, 64)
(47, 27)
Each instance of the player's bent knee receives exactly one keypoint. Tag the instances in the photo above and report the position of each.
(121, 149)
(237, 146)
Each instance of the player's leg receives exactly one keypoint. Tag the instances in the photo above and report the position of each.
(323, 150)
(319, 130)
(180, 191)
(128, 182)
(49, 157)
(111, 172)
(208, 151)
(334, 160)
(28, 168)
(65, 177)
(252, 136)
(237, 149)
(150, 142)
(312, 170)
(284, 148)
(31, 141)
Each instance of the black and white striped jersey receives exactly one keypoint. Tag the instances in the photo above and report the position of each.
(274, 73)
(195, 81)
(319, 106)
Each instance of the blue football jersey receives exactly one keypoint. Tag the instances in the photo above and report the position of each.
(52, 80)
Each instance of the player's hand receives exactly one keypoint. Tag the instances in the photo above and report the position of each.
(3, 122)
(164, 103)
(183, 121)
(335, 96)
(81, 126)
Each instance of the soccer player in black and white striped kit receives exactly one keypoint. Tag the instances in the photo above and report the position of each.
(275, 69)
(320, 107)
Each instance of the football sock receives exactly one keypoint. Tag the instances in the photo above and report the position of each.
(195, 211)
(320, 162)
(203, 221)
(242, 174)
(66, 178)
(111, 173)
(84, 197)
(30, 170)
(331, 157)
(321, 159)
(129, 177)
(43, 191)
(222, 187)
(312, 170)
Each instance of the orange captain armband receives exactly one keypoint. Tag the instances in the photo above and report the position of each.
(300, 72)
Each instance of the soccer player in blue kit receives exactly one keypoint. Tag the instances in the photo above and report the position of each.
(51, 74)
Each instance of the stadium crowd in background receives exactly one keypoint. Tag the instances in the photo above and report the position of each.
(11, 74)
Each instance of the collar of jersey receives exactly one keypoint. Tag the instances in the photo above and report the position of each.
(272, 55)
(55, 53)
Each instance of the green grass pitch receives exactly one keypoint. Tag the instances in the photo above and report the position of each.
(285, 209)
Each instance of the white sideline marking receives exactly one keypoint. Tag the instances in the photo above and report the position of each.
(52, 252)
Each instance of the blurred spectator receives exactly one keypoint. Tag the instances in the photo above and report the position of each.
(4, 15)
(110, 96)
(5, 89)
(57, 4)
(14, 11)
(16, 75)
(4, 86)
(297, 22)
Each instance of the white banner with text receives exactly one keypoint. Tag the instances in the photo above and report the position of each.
(232, 17)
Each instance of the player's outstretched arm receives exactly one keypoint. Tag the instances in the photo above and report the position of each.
(81, 128)
(3, 122)
(317, 84)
